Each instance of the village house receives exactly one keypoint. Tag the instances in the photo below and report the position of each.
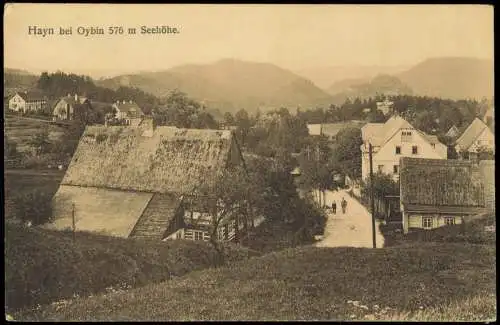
(27, 102)
(141, 182)
(70, 107)
(386, 106)
(438, 192)
(392, 140)
(128, 111)
(478, 136)
(453, 132)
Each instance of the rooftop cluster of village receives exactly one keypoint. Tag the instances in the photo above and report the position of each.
(149, 168)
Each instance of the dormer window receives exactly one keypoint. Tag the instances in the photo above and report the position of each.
(398, 150)
(406, 136)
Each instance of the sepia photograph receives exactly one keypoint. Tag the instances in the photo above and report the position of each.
(249, 162)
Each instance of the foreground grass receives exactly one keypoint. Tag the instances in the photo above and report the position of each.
(42, 266)
(476, 308)
(306, 284)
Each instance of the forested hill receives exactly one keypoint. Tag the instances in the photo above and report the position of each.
(60, 84)
(230, 85)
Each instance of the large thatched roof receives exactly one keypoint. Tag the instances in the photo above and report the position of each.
(440, 183)
(161, 160)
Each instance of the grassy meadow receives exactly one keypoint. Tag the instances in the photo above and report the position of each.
(310, 284)
(43, 266)
(20, 130)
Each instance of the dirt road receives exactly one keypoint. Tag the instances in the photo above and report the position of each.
(352, 229)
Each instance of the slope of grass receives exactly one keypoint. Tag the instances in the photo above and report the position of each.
(20, 130)
(475, 308)
(304, 283)
(42, 266)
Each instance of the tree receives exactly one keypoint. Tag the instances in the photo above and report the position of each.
(376, 116)
(10, 148)
(243, 124)
(40, 142)
(347, 152)
(228, 118)
(383, 185)
(183, 112)
(316, 167)
(227, 200)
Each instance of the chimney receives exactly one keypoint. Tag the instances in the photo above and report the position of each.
(130, 101)
(69, 95)
(76, 97)
(124, 101)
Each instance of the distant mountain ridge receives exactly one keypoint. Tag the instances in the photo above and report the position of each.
(230, 85)
(451, 77)
(446, 77)
(325, 77)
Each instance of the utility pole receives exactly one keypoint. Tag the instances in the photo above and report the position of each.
(372, 196)
(74, 223)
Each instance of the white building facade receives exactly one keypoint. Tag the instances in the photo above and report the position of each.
(395, 139)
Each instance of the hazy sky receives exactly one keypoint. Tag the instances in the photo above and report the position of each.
(292, 36)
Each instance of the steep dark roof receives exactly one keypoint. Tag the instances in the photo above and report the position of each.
(31, 96)
(131, 108)
(435, 183)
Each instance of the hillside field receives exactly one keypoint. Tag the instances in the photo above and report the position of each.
(43, 266)
(311, 283)
(20, 130)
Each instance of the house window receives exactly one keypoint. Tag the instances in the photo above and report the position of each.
(433, 145)
(381, 168)
(395, 169)
(406, 136)
(449, 221)
(398, 150)
(427, 222)
(178, 235)
(414, 150)
(198, 235)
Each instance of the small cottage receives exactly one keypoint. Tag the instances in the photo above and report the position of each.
(139, 182)
(27, 102)
(453, 132)
(71, 107)
(438, 192)
(476, 137)
(128, 111)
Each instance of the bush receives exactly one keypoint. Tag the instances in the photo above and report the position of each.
(34, 206)
(43, 266)
(43, 161)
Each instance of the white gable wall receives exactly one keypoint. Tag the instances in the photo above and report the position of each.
(387, 157)
(485, 139)
(17, 103)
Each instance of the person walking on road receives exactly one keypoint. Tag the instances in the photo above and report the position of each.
(344, 205)
(334, 207)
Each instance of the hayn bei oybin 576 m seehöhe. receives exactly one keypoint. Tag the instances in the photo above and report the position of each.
(110, 30)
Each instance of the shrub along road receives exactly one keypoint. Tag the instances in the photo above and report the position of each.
(352, 229)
